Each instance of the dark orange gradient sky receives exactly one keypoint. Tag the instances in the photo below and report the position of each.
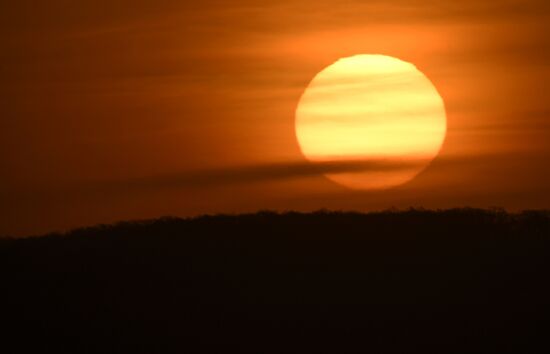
(115, 110)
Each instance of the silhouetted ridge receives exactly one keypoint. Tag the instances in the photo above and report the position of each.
(450, 281)
(497, 221)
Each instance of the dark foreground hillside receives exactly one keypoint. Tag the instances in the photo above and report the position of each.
(457, 281)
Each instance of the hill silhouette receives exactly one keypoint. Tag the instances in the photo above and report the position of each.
(416, 281)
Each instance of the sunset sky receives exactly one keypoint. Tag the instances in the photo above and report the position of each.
(117, 110)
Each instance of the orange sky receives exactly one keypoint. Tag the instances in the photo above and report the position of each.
(123, 109)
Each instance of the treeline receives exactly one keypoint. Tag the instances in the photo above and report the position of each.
(415, 281)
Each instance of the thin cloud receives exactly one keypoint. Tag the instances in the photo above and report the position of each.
(273, 172)
(284, 171)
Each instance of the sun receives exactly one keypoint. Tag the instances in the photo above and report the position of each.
(374, 109)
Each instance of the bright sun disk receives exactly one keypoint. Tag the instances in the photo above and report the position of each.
(371, 108)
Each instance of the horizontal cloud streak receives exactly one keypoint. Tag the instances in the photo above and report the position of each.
(279, 171)
(285, 171)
